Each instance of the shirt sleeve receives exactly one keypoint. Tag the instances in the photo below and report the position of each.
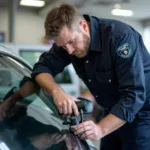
(130, 77)
(52, 62)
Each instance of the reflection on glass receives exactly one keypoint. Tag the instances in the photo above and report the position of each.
(29, 124)
(46, 140)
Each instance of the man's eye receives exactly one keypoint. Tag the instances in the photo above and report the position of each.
(64, 47)
(72, 42)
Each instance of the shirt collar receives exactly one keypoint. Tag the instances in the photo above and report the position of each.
(95, 44)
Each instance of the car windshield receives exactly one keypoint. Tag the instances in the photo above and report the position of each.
(35, 122)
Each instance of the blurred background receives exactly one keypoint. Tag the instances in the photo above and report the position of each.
(22, 20)
(22, 29)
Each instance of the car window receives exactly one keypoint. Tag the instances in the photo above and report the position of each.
(11, 73)
(32, 57)
(36, 123)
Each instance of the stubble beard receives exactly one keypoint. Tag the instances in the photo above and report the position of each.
(82, 53)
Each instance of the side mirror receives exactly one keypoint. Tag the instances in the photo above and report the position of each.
(84, 104)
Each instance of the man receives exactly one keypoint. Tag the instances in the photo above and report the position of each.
(111, 59)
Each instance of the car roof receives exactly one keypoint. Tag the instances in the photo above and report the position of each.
(5, 49)
(8, 51)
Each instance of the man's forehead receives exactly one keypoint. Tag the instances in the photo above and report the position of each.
(64, 37)
(61, 40)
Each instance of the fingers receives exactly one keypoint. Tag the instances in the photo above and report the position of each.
(64, 109)
(77, 100)
(56, 138)
(3, 115)
(87, 135)
(1, 118)
(68, 107)
(60, 110)
(85, 126)
(6, 114)
(69, 112)
(75, 109)
(88, 130)
(5, 110)
(66, 103)
(60, 138)
(83, 129)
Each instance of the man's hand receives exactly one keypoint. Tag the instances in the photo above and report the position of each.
(89, 130)
(5, 108)
(65, 103)
(107, 125)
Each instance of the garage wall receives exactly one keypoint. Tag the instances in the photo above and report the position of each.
(104, 12)
(4, 22)
(30, 27)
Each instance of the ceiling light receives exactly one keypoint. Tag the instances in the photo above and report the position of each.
(34, 3)
(122, 12)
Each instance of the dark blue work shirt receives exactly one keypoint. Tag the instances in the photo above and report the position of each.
(116, 68)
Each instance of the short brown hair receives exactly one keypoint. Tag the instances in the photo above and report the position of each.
(65, 14)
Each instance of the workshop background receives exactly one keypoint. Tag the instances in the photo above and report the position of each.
(22, 22)
(19, 22)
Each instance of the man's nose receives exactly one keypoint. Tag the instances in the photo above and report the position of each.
(70, 49)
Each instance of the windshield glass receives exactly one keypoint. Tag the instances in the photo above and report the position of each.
(34, 122)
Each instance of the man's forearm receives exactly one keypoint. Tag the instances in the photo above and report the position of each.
(46, 81)
(109, 124)
(25, 90)
(28, 89)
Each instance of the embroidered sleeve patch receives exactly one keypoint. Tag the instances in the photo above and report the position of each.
(124, 50)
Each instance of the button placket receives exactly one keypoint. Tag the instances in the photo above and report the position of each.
(87, 61)
(89, 80)
(109, 80)
(96, 96)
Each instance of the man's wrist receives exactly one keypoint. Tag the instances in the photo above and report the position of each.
(14, 98)
(109, 124)
(101, 130)
(55, 92)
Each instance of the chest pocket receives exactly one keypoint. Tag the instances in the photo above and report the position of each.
(106, 82)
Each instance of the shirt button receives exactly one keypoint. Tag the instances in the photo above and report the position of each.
(86, 61)
(109, 80)
(89, 80)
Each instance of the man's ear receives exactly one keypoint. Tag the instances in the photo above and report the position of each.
(83, 25)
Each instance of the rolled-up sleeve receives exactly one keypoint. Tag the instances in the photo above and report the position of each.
(52, 62)
(130, 77)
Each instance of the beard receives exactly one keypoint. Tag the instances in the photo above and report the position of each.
(86, 44)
